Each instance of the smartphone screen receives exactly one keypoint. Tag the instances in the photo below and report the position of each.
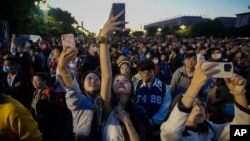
(116, 9)
(68, 40)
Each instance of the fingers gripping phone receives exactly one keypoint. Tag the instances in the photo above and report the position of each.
(226, 69)
(68, 40)
(116, 9)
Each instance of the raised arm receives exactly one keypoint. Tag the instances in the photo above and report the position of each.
(106, 72)
(201, 75)
(67, 55)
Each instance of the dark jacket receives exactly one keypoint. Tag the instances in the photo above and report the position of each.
(21, 89)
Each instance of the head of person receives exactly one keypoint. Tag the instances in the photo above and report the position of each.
(6, 53)
(114, 48)
(10, 64)
(175, 51)
(123, 89)
(20, 48)
(202, 50)
(92, 47)
(155, 58)
(120, 58)
(32, 51)
(39, 80)
(125, 67)
(56, 50)
(91, 83)
(190, 49)
(190, 60)
(215, 54)
(197, 116)
(145, 69)
(163, 57)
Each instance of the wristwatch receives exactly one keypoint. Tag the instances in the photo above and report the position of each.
(102, 40)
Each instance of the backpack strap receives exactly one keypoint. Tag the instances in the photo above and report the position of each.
(46, 92)
(164, 85)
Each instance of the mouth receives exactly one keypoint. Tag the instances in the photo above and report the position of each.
(121, 86)
(199, 115)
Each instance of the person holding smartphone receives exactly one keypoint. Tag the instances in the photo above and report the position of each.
(187, 119)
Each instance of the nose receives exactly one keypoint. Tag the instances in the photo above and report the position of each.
(197, 107)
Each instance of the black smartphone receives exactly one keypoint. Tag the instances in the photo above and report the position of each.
(116, 9)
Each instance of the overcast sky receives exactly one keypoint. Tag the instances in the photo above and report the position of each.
(94, 13)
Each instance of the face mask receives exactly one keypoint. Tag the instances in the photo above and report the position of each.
(217, 56)
(156, 61)
(95, 49)
(148, 56)
(6, 69)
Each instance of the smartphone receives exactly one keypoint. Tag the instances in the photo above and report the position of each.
(116, 9)
(68, 40)
(226, 69)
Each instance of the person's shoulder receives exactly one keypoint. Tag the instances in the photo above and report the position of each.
(12, 106)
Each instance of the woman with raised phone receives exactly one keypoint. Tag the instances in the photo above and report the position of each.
(119, 122)
(187, 119)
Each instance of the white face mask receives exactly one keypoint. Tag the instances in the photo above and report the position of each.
(148, 56)
(95, 49)
(217, 56)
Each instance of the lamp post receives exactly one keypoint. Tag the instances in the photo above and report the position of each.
(44, 6)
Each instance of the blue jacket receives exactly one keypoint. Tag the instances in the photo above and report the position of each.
(155, 103)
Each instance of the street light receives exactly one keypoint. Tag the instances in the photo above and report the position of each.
(182, 26)
(159, 29)
(44, 6)
(182, 29)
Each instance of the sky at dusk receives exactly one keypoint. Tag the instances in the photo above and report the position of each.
(94, 13)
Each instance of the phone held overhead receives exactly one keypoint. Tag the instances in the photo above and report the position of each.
(68, 40)
(226, 69)
(116, 9)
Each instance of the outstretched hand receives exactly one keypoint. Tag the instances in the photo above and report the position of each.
(111, 25)
(203, 72)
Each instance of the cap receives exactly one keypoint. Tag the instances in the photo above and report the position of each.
(124, 61)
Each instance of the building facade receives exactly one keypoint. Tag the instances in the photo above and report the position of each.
(183, 20)
(243, 19)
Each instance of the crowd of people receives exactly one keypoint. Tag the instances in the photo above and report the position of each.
(124, 89)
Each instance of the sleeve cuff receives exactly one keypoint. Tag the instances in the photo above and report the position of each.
(242, 108)
(182, 108)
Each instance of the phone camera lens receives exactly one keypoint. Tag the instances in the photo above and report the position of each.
(227, 67)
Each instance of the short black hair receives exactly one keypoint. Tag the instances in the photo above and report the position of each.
(12, 60)
(60, 48)
(189, 55)
(41, 75)
(114, 45)
(146, 64)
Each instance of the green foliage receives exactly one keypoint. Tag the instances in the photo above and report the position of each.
(138, 33)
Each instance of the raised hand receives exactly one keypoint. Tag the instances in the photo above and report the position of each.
(203, 72)
(236, 84)
(67, 55)
(111, 25)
